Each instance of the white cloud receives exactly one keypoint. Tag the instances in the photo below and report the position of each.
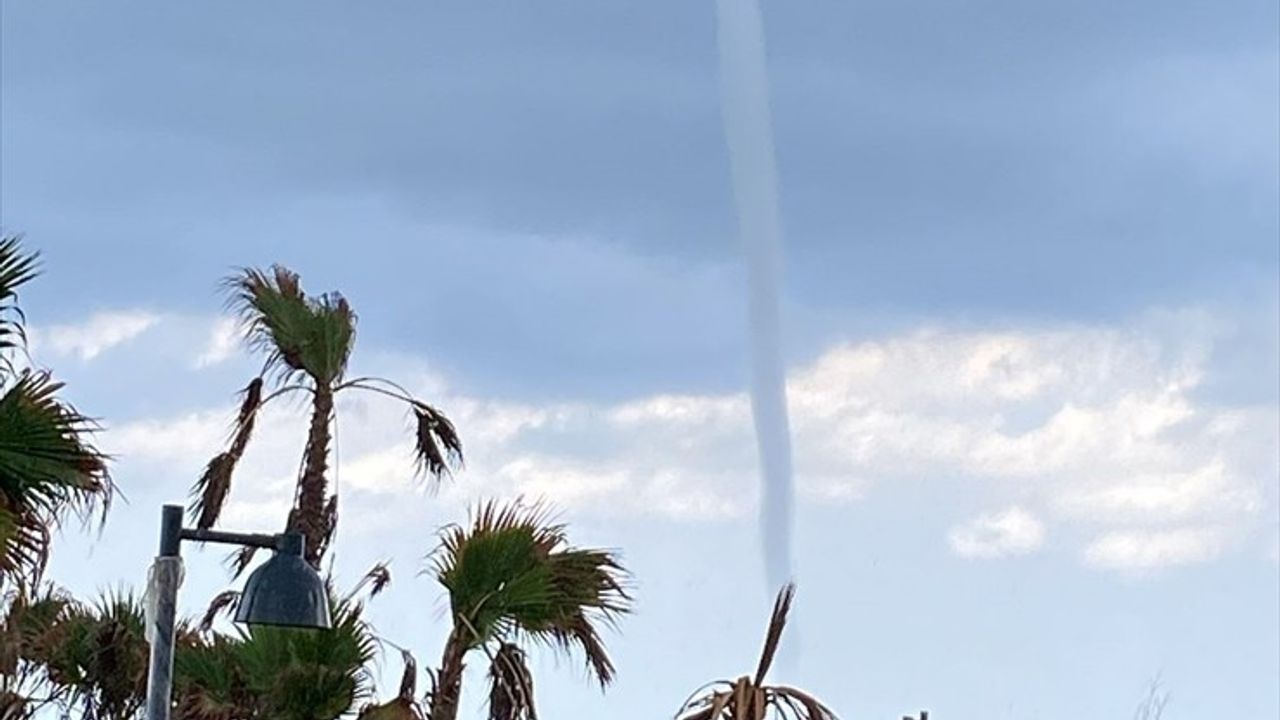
(224, 340)
(1138, 551)
(1099, 430)
(1011, 532)
(101, 332)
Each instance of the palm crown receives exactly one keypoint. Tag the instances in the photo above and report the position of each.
(511, 575)
(307, 341)
(748, 697)
(48, 468)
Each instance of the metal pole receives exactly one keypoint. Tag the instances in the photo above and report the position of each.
(165, 599)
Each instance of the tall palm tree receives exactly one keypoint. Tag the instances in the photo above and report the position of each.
(307, 341)
(512, 576)
(748, 698)
(48, 467)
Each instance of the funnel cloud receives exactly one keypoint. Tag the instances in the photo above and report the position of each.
(744, 91)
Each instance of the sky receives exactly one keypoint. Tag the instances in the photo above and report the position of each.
(1030, 316)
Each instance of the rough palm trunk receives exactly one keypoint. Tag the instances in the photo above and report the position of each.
(310, 518)
(448, 689)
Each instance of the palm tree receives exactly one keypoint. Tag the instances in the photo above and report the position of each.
(307, 341)
(280, 674)
(748, 698)
(276, 673)
(512, 576)
(89, 660)
(48, 468)
(26, 634)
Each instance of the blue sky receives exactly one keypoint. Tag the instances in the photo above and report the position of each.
(1031, 317)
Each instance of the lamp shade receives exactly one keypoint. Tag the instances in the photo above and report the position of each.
(285, 591)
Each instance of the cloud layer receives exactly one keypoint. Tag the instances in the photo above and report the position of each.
(1093, 438)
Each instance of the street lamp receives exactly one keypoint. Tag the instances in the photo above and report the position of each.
(284, 591)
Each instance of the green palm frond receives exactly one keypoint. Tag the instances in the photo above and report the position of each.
(208, 681)
(47, 469)
(748, 698)
(276, 672)
(16, 269)
(298, 333)
(512, 573)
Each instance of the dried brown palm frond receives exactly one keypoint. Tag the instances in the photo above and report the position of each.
(329, 523)
(749, 698)
(211, 489)
(510, 685)
(403, 706)
(436, 445)
(224, 602)
(377, 580)
(239, 560)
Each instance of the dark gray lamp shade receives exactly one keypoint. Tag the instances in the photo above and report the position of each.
(285, 591)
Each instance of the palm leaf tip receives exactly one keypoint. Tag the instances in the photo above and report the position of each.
(16, 269)
(778, 620)
(437, 447)
(239, 560)
(223, 602)
(379, 577)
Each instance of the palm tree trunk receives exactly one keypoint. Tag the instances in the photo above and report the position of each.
(448, 690)
(310, 518)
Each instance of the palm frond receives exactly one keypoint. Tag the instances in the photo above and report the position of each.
(750, 699)
(510, 685)
(48, 468)
(239, 560)
(224, 602)
(98, 654)
(437, 447)
(16, 269)
(298, 334)
(512, 574)
(777, 621)
(377, 579)
(210, 491)
(313, 675)
(329, 522)
(403, 706)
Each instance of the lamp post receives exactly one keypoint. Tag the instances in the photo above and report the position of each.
(284, 591)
